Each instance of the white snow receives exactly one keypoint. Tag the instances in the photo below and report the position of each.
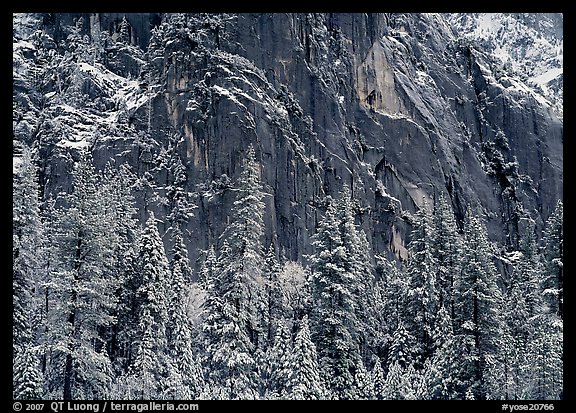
(16, 162)
(547, 76)
(22, 44)
(528, 53)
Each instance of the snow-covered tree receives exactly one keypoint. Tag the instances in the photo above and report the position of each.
(446, 250)
(546, 359)
(543, 333)
(207, 266)
(358, 265)
(150, 363)
(517, 317)
(294, 280)
(27, 236)
(402, 350)
(277, 366)
(479, 303)
(178, 200)
(389, 305)
(82, 287)
(378, 379)
(305, 382)
(124, 31)
(243, 260)
(363, 387)
(272, 311)
(28, 255)
(334, 305)
(229, 350)
(118, 200)
(553, 278)
(187, 380)
(26, 376)
(235, 294)
(393, 389)
(423, 295)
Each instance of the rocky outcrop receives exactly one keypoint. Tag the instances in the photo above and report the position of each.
(398, 106)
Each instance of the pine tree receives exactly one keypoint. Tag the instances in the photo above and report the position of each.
(393, 385)
(242, 262)
(187, 382)
(273, 310)
(28, 254)
(544, 379)
(231, 327)
(414, 386)
(305, 382)
(178, 201)
(390, 300)
(278, 363)
(517, 316)
(363, 388)
(358, 264)
(528, 271)
(402, 350)
(117, 198)
(149, 366)
(479, 304)
(443, 368)
(333, 310)
(228, 345)
(27, 249)
(27, 378)
(553, 279)
(124, 31)
(207, 271)
(423, 296)
(546, 352)
(446, 250)
(378, 380)
(82, 288)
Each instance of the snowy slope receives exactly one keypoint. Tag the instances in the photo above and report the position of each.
(73, 101)
(528, 45)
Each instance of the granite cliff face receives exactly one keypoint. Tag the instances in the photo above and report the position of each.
(401, 107)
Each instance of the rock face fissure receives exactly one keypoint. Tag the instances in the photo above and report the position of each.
(401, 107)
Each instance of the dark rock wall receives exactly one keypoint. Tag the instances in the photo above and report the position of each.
(396, 106)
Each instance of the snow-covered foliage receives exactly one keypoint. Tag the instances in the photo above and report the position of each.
(524, 45)
(108, 302)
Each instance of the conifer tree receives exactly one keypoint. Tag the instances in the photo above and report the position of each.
(334, 305)
(278, 367)
(27, 249)
(149, 365)
(82, 288)
(358, 264)
(305, 382)
(187, 380)
(117, 198)
(423, 296)
(479, 304)
(378, 380)
(28, 255)
(273, 309)
(235, 295)
(26, 376)
(446, 250)
(552, 281)
(229, 359)
(363, 388)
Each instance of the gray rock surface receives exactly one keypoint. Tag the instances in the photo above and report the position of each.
(401, 107)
